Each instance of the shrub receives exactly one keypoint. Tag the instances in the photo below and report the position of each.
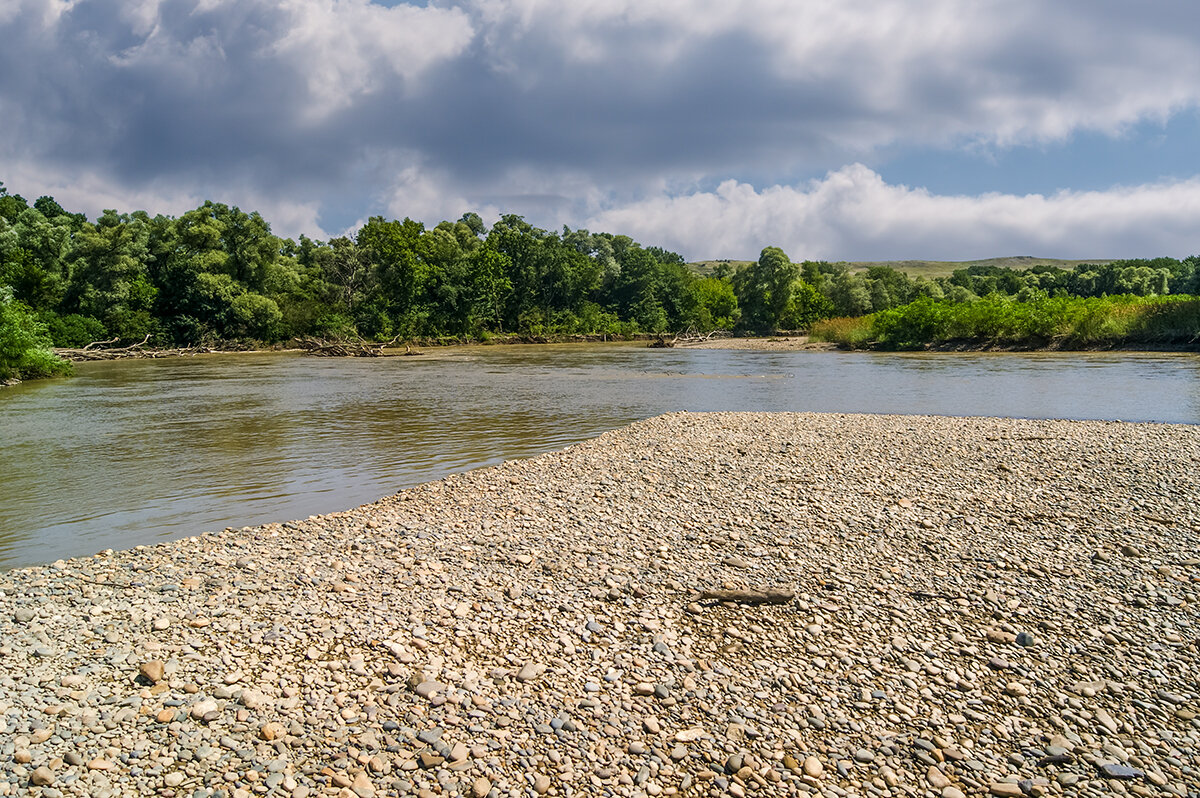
(74, 329)
(913, 325)
(25, 343)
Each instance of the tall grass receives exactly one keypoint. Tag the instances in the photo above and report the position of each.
(849, 331)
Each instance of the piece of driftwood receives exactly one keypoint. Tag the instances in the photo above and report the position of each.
(769, 595)
(693, 336)
(688, 336)
(138, 350)
(359, 348)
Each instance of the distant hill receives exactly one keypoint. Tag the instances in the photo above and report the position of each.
(927, 268)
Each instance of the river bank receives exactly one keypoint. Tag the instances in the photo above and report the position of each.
(357, 349)
(787, 343)
(981, 606)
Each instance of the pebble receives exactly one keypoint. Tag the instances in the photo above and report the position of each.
(530, 671)
(1111, 770)
(153, 670)
(536, 625)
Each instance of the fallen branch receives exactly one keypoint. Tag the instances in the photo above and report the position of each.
(101, 343)
(770, 595)
(693, 336)
(119, 353)
(322, 348)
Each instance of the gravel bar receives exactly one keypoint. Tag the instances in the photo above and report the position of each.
(979, 607)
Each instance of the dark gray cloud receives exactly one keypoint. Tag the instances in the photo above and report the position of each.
(319, 110)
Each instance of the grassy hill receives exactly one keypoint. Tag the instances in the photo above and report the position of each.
(927, 268)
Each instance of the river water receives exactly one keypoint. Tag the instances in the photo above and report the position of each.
(138, 451)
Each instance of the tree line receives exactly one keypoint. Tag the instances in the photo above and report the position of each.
(217, 274)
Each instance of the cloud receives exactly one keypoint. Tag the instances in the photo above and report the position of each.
(214, 94)
(556, 110)
(852, 214)
(85, 189)
(350, 49)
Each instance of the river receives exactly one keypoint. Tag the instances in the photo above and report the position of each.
(138, 451)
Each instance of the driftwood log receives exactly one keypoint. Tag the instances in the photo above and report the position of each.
(360, 348)
(767, 595)
(686, 338)
(138, 350)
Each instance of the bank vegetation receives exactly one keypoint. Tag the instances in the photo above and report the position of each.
(217, 277)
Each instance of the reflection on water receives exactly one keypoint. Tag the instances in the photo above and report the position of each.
(137, 451)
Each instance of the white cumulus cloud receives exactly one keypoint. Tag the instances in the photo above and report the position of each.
(347, 48)
(853, 214)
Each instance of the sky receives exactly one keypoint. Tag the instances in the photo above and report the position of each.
(835, 129)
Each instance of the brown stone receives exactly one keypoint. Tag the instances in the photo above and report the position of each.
(272, 731)
(152, 671)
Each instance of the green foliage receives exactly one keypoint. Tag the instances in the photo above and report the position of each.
(716, 305)
(218, 273)
(850, 332)
(1063, 322)
(911, 326)
(255, 316)
(772, 295)
(764, 289)
(806, 306)
(25, 343)
(74, 330)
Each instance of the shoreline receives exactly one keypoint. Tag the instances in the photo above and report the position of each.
(392, 350)
(978, 603)
(783, 343)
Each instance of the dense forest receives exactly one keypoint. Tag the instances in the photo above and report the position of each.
(217, 275)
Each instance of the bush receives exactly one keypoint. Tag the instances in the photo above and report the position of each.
(256, 316)
(913, 325)
(74, 330)
(25, 343)
(1067, 322)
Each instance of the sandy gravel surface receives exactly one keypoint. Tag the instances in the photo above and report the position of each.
(982, 607)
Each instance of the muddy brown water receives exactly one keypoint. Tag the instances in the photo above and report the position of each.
(136, 452)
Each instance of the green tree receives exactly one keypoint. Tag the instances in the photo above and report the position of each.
(640, 288)
(717, 305)
(255, 316)
(849, 294)
(398, 275)
(490, 287)
(33, 252)
(806, 306)
(109, 278)
(11, 205)
(764, 289)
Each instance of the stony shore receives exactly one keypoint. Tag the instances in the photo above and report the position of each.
(982, 607)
